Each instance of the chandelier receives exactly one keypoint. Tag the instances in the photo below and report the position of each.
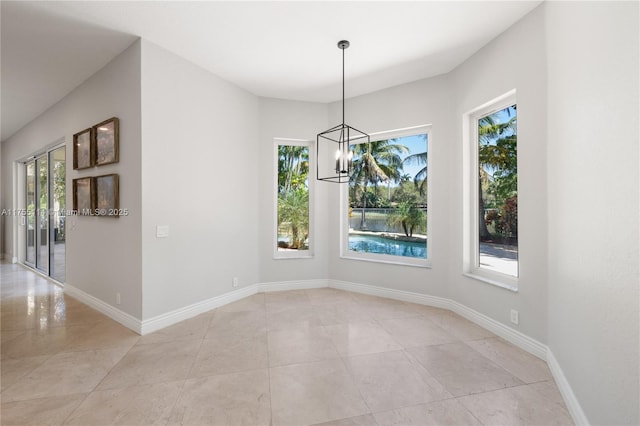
(337, 140)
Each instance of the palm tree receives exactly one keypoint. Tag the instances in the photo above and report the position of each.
(420, 158)
(405, 178)
(293, 193)
(293, 214)
(408, 215)
(496, 151)
(375, 162)
(293, 167)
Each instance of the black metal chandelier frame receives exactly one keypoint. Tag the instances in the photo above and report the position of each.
(343, 136)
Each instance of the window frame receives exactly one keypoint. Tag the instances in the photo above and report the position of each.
(471, 232)
(293, 254)
(345, 253)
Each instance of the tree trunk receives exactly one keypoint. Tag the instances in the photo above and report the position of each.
(484, 232)
(363, 217)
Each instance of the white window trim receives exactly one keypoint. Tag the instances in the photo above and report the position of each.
(471, 243)
(345, 253)
(293, 254)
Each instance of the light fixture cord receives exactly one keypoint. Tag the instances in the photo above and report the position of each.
(343, 86)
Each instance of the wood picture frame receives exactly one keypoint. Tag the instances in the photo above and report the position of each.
(106, 198)
(83, 196)
(106, 141)
(83, 152)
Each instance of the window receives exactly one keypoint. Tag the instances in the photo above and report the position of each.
(292, 214)
(492, 191)
(385, 203)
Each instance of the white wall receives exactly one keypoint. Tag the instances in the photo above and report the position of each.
(294, 120)
(514, 60)
(578, 187)
(423, 102)
(593, 189)
(103, 254)
(199, 172)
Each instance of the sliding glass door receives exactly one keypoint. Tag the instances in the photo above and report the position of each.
(42, 209)
(30, 258)
(57, 214)
(46, 205)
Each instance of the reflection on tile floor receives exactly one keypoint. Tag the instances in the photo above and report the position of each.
(320, 356)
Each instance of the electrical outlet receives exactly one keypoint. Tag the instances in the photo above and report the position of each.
(515, 317)
(118, 299)
(162, 231)
(234, 282)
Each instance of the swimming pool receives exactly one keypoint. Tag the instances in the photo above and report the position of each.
(373, 244)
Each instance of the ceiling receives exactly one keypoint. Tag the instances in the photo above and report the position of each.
(272, 49)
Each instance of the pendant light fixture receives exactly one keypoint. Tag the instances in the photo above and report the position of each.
(334, 155)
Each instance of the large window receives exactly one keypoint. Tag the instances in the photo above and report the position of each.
(386, 208)
(293, 205)
(493, 190)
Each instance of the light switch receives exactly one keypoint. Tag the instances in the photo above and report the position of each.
(162, 231)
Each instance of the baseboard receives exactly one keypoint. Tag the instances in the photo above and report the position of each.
(115, 314)
(575, 409)
(389, 293)
(292, 285)
(517, 338)
(161, 321)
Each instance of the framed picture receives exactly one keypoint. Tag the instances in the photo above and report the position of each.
(106, 198)
(83, 195)
(83, 149)
(106, 137)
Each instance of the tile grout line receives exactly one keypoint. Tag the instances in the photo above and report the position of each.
(266, 324)
(343, 358)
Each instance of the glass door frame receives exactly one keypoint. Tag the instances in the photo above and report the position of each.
(30, 215)
(43, 255)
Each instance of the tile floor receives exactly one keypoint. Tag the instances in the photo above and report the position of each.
(304, 357)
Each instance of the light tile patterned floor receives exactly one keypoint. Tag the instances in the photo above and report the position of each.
(304, 357)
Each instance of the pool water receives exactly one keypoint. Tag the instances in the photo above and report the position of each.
(373, 244)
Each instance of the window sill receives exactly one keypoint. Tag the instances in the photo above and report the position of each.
(388, 260)
(494, 281)
(281, 256)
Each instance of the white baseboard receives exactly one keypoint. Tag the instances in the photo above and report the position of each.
(115, 314)
(291, 285)
(170, 318)
(517, 338)
(181, 314)
(575, 409)
(389, 293)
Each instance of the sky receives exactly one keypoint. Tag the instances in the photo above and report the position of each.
(415, 144)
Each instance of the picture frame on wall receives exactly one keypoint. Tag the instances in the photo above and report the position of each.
(106, 195)
(83, 196)
(83, 155)
(106, 137)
